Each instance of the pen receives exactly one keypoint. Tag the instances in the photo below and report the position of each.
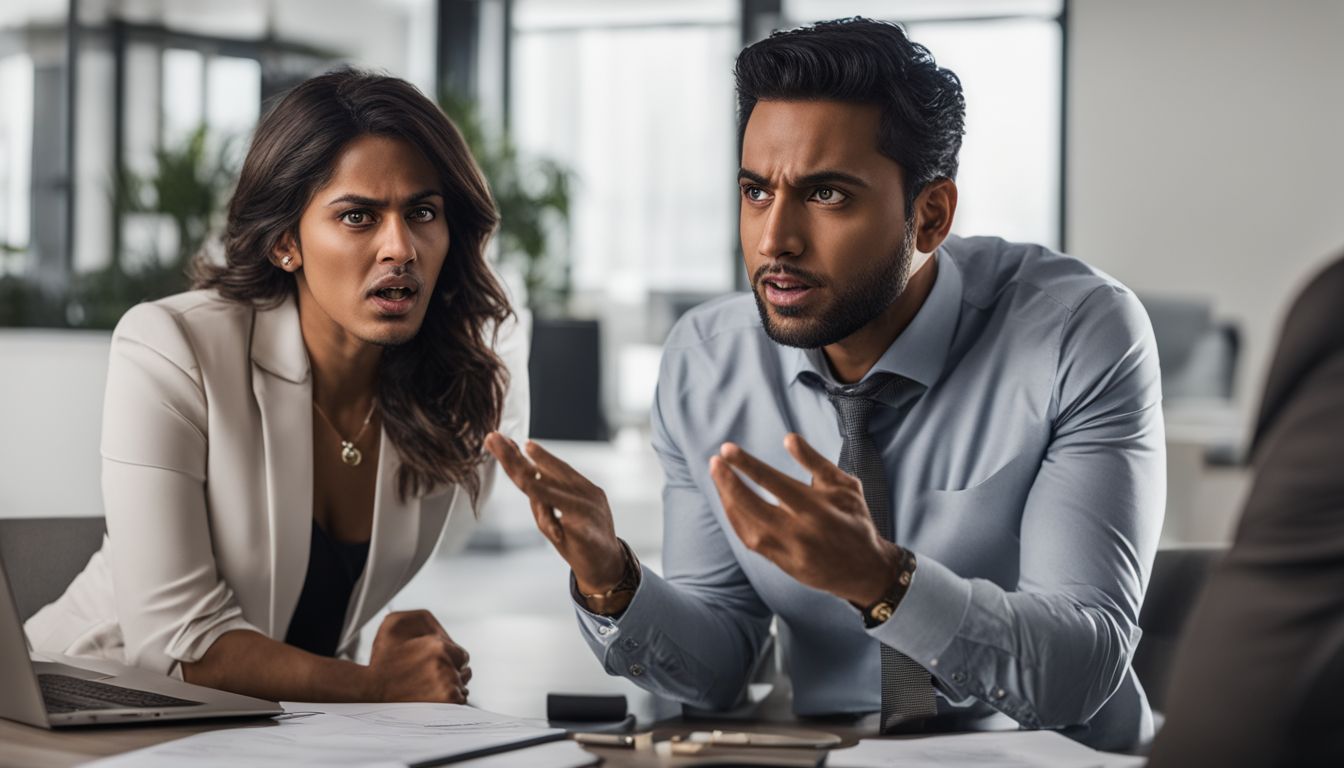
(605, 739)
(811, 739)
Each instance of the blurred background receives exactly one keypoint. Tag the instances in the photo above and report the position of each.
(1190, 148)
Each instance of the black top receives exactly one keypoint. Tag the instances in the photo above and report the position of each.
(333, 568)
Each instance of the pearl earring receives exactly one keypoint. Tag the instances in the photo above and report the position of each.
(285, 261)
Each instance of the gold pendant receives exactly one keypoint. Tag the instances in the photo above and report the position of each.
(350, 454)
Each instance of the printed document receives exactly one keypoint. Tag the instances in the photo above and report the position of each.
(349, 735)
(998, 749)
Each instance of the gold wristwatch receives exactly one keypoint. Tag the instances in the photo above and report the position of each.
(885, 606)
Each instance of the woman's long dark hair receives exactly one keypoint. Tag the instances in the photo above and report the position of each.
(443, 391)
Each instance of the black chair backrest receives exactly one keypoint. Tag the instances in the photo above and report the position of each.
(566, 375)
(42, 555)
(1178, 577)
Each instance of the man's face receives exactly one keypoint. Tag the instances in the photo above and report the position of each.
(372, 242)
(824, 234)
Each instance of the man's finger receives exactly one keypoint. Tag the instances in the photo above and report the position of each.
(821, 467)
(751, 516)
(515, 465)
(539, 487)
(544, 515)
(788, 490)
(549, 464)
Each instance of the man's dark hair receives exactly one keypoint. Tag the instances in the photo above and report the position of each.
(868, 62)
(443, 391)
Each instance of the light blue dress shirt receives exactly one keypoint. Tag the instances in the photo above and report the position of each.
(1026, 463)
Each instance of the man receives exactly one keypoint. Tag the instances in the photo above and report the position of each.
(1264, 652)
(938, 462)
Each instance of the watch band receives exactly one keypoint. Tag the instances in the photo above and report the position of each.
(881, 610)
(628, 584)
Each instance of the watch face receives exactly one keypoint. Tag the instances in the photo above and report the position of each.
(883, 610)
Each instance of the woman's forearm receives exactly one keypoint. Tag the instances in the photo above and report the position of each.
(247, 662)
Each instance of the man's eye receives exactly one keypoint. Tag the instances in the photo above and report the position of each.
(355, 218)
(829, 196)
(754, 193)
(422, 214)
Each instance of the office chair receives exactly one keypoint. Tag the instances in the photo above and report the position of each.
(565, 370)
(42, 555)
(1178, 577)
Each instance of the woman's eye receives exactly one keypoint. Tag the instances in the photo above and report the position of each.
(829, 196)
(355, 218)
(422, 214)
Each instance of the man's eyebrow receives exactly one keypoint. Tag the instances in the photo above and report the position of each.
(810, 180)
(752, 176)
(370, 202)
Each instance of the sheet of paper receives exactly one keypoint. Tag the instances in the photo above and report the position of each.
(1002, 749)
(343, 735)
(555, 754)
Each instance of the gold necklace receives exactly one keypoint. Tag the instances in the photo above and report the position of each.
(349, 453)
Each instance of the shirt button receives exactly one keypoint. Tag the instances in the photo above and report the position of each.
(636, 670)
(933, 662)
(631, 643)
(604, 630)
(958, 677)
(999, 693)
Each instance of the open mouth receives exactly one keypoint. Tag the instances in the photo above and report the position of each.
(783, 290)
(395, 294)
(785, 284)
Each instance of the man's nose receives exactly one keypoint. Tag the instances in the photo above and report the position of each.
(782, 232)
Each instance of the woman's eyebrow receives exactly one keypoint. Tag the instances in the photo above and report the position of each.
(370, 202)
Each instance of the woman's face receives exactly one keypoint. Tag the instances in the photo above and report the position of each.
(371, 244)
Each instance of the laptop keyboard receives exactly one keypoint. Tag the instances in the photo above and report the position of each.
(73, 694)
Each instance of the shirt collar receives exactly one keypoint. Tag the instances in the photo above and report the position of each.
(919, 352)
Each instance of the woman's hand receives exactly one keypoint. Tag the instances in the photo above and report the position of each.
(414, 659)
(568, 509)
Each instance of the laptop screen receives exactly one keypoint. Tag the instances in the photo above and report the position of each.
(20, 696)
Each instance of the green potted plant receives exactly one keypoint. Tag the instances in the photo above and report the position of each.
(186, 190)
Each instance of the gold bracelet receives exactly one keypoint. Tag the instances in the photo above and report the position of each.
(629, 580)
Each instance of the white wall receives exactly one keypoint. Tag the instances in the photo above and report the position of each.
(51, 399)
(1207, 151)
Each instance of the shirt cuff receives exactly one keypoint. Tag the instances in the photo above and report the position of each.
(600, 627)
(928, 618)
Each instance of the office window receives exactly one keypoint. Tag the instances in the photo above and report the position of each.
(638, 100)
(183, 101)
(1009, 177)
(16, 147)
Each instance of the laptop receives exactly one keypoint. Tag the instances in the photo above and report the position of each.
(53, 691)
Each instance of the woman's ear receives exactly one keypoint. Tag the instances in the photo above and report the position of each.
(286, 255)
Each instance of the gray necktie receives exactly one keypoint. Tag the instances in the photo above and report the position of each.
(907, 689)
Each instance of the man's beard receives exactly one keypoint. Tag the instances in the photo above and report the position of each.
(856, 303)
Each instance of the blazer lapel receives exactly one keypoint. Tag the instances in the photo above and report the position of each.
(396, 527)
(283, 388)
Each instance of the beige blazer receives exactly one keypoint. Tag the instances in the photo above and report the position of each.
(207, 463)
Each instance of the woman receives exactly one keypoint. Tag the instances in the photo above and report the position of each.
(283, 446)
